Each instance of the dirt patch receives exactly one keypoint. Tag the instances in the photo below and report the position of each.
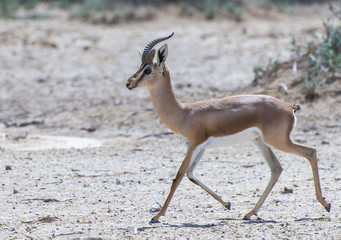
(96, 157)
(43, 142)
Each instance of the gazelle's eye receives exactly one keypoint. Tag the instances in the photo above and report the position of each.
(147, 71)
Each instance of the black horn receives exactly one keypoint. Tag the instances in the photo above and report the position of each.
(150, 46)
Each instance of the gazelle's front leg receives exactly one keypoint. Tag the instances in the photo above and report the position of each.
(194, 163)
(179, 176)
(276, 170)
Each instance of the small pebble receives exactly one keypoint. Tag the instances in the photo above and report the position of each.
(287, 190)
(155, 207)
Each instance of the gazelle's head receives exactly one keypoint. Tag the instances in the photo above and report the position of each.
(149, 71)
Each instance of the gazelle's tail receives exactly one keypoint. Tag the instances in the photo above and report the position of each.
(296, 107)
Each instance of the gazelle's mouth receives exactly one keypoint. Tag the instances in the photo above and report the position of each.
(130, 87)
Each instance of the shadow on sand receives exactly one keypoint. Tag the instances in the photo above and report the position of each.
(221, 222)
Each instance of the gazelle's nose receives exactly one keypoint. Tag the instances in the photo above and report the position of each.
(129, 86)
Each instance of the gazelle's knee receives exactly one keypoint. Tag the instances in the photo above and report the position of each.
(308, 152)
(314, 153)
(303, 151)
(190, 176)
(279, 170)
(276, 172)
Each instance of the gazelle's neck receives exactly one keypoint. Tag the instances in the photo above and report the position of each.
(167, 106)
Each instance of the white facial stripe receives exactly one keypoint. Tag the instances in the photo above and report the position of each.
(141, 73)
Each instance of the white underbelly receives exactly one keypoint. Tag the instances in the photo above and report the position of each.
(247, 135)
(241, 137)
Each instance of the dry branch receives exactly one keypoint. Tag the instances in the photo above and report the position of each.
(334, 10)
(67, 234)
(156, 135)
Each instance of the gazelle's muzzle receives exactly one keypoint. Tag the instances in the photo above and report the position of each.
(131, 83)
(134, 80)
(128, 86)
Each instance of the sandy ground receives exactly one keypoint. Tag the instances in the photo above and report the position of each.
(81, 157)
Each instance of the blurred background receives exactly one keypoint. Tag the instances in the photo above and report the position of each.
(64, 63)
(115, 11)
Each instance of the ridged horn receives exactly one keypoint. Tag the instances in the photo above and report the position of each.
(150, 46)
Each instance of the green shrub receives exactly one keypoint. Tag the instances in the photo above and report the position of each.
(7, 8)
(262, 74)
(324, 63)
(210, 7)
(319, 61)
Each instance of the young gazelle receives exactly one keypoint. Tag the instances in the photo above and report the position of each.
(263, 119)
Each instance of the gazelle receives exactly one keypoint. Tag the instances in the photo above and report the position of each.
(263, 119)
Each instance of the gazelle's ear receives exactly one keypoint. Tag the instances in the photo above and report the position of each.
(140, 52)
(162, 55)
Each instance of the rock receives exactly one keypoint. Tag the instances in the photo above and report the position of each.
(287, 190)
(155, 207)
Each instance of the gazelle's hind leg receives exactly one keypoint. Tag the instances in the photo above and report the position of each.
(191, 177)
(276, 170)
(310, 154)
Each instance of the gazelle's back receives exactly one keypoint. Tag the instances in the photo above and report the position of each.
(226, 116)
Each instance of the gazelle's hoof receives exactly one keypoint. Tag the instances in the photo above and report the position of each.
(153, 221)
(249, 218)
(328, 207)
(228, 205)
(250, 214)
